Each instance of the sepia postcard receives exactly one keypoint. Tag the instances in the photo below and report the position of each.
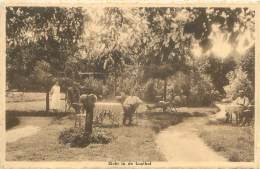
(129, 84)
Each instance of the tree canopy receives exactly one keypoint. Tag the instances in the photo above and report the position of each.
(158, 41)
(47, 34)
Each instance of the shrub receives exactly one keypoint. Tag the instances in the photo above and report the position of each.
(94, 86)
(202, 91)
(234, 157)
(238, 80)
(150, 91)
(193, 89)
(76, 137)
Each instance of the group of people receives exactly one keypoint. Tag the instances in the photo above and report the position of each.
(240, 107)
(129, 102)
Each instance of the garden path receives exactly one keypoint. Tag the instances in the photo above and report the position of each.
(181, 143)
(16, 134)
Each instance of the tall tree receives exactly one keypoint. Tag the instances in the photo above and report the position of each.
(41, 34)
(109, 40)
(168, 48)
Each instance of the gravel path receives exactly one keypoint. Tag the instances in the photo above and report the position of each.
(16, 134)
(181, 143)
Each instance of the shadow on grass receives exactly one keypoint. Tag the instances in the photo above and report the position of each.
(106, 125)
(12, 117)
(162, 120)
(36, 113)
(11, 121)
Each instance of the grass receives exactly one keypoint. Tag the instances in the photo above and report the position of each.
(234, 143)
(160, 120)
(135, 143)
(129, 143)
(27, 96)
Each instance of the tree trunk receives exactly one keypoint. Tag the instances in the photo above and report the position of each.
(115, 84)
(89, 120)
(165, 89)
(47, 101)
(165, 92)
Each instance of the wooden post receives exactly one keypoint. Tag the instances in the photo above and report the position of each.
(89, 120)
(115, 84)
(165, 89)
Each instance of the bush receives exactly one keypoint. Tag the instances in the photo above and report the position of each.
(150, 91)
(76, 137)
(202, 91)
(193, 89)
(238, 80)
(94, 86)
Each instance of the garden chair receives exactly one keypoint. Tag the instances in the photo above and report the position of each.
(163, 105)
(247, 115)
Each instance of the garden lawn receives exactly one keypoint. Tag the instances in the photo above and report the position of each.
(135, 143)
(234, 143)
(130, 143)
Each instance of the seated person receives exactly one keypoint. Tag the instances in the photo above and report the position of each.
(237, 106)
(241, 100)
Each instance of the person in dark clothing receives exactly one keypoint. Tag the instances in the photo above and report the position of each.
(128, 114)
(73, 95)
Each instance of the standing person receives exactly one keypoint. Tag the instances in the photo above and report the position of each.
(55, 97)
(73, 95)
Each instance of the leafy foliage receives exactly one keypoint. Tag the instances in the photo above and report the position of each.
(76, 137)
(36, 33)
(157, 42)
(247, 64)
(94, 86)
(41, 74)
(150, 91)
(216, 68)
(192, 89)
(202, 91)
(232, 20)
(238, 80)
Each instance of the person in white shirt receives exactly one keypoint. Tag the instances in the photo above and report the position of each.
(237, 107)
(241, 100)
(55, 97)
(130, 105)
